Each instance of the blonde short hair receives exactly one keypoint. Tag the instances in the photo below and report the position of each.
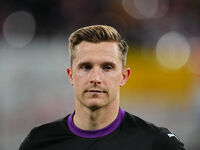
(96, 34)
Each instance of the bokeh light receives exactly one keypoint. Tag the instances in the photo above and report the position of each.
(19, 29)
(145, 9)
(172, 50)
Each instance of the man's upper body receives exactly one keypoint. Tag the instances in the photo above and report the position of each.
(126, 132)
(98, 58)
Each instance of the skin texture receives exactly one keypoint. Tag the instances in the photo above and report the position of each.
(96, 75)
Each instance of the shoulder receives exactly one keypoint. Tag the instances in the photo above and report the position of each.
(161, 137)
(51, 128)
(167, 140)
(135, 122)
(43, 132)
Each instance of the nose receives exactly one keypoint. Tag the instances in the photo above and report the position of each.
(95, 77)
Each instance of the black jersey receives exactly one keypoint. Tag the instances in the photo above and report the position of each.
(127, 132)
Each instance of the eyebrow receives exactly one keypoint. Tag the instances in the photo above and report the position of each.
(108, 63)
(102, 64)
(84, 63)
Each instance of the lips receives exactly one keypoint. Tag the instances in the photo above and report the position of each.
(96, 91)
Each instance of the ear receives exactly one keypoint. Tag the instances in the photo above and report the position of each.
(69, 73)
(125, 75)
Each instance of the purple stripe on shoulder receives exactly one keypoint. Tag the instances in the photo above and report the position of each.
(95, 133)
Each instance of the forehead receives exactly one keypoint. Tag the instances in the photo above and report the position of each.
(103, 51)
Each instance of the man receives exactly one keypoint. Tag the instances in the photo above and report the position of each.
(98, 58)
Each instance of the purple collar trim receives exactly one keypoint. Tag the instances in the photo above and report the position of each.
(95, 133)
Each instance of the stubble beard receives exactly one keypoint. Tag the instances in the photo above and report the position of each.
(84, 100)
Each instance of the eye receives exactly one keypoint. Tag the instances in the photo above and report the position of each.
(86, 67)
(107, 67)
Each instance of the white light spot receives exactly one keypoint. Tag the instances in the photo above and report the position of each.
(172, 50)
(146, 9)
(19, 29)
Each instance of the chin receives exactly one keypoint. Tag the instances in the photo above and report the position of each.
(95, 104)
(94, 108)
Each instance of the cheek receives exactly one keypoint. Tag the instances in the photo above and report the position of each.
(114, 79)
(80, 79)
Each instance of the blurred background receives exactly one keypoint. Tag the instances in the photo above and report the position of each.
(164, 39)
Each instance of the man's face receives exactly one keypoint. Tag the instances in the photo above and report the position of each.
(97, 73)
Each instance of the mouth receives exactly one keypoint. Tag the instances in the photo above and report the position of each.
(96, 91)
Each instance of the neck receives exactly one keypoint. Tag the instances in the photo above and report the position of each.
(93, 119)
